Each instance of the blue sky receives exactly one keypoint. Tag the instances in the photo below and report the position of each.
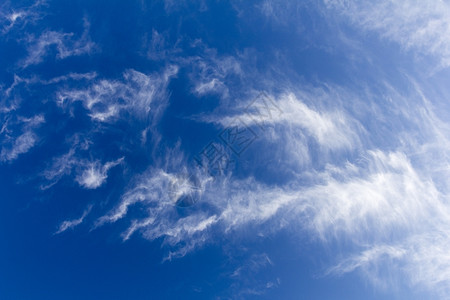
(224, 149)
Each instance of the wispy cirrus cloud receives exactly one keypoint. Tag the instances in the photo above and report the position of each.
(107, 99)
(362, 166)
(36, 80)
(66, 46)
(388, 205)
(18, 136)
(71, 224)
(209, 72)
(419, 26)
(90, 174)
(20, 145)
(331, 129)
(11, 17)
(95, 174)
(247, 283)
(212, 73)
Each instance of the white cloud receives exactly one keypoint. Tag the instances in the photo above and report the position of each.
(234, 206)
(12, 146)
(154, 193)
(420, 26)
(209, 72)
(247, 281)
(392, 196)
(236, 202)
(95, 174)
(59, 167)
(389, 206)
(21, 144)
(294, 122)
(106, 99)
(66, 45)
(420, 260)
(398, 217)
(91, 174)
(212, 73)
(70, 224)
(19, 17)
(69, 76)
(212, 86)
(35, 80)
(159, 48)
(382, 206)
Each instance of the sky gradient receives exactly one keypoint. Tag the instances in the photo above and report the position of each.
(224, 149)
